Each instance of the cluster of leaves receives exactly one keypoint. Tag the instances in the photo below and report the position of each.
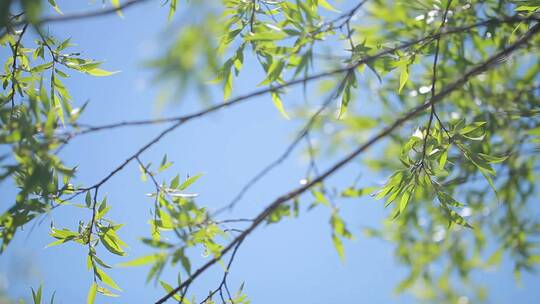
(35, 104)
(177, 216)
(98, 230)
(470, 176)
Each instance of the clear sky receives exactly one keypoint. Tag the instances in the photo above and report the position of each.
(293, 262)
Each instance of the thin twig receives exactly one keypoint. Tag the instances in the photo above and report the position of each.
(433, 82)
(14, 69)
(223, 282)
(303, 132)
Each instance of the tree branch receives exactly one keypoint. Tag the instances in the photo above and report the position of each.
(368, 59)
(433, 82)
(336, 167)
(240, 99)
(14, 69)
(83, 15)
(302, 134)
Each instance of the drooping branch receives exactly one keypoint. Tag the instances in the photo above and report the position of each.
(243, 98)
(449, 31)
(486, 65)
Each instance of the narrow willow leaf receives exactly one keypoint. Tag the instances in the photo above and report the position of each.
(36, 296)
(328, 6)
(116, 4)
(227, 86)
(338, 245)
(55, 6)
(144, 260)
(91, 297)
(88, 199)
(104, 291)
(168, 288)
(352, 192)
(405, 200)
(105, 278)
(403, 77)
(442, 160)
(100, 72)
(279, 105)
(189, 182)
(172, 9)
(472, 127)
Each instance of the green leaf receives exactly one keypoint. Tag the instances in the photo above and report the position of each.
(36, 296)
(405, 199)
(116, 4)
(104, 291)
(265, 36)
(279, 105)
(227, 86)
(442, 160)
(472, 127)
(88, 199)
(144, 260)
(105, 278)
(32, 9)
(172, 9)
(189, 181)
(403, 77)
(357, 192)
(91, 297)
(55, 6)
(100, 72)
(168, 288)
(327, 6)
(338, 245)
(112, 243)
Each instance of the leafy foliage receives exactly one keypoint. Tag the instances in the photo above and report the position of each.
(461, 162)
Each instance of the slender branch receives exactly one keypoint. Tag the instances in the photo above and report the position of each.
(152, 177)
(311, 153)
(486, 65)
(134, 156)
(183, 119)
(14, 68)
(83, 15)
(252, 17)
(91, 227)
(303, 133)
(223, 282)
(433, 82)
(345, 19)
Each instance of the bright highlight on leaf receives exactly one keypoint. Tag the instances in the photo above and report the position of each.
(91, 297)
(279, 105)
(116, 4)
(327, 6)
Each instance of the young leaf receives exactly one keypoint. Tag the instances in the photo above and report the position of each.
(91, 297)
(105, 278)
(279, 105)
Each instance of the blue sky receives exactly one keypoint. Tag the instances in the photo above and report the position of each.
(293, 262)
